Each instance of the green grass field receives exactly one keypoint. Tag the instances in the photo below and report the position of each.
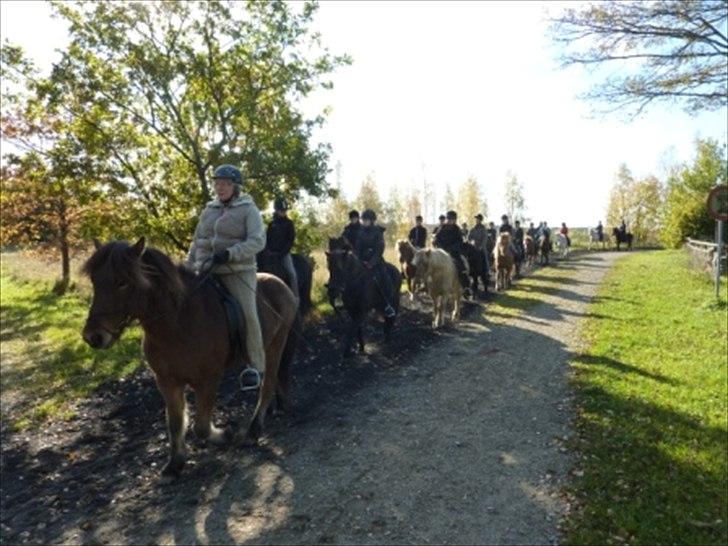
(45, 363)
(651, 424)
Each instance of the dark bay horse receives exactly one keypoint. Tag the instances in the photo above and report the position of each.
(530, 251)
(357, 288)
(476, 267)
(268, 262)
(186, 338)
(622, 237)
(406, 256)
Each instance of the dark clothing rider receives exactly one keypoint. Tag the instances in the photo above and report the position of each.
(369, 249)
(418, 234)
(279, 239)
(351, 231)
(450, 239)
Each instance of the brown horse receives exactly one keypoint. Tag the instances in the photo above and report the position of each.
(186, 338)
(406, 256)
(504, 262)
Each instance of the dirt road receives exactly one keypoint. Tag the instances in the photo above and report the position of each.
(456, 439)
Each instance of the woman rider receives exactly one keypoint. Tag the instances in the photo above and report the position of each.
(229, 234)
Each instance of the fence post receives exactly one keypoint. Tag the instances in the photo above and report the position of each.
(718, 254)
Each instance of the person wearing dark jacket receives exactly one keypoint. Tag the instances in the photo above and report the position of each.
(279, 240)
(370, 250)
(450, 239)
(351, 231)
(418, 234)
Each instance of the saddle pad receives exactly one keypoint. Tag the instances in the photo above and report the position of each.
(233, 312)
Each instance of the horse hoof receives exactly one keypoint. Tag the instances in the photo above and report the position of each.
(172, 471)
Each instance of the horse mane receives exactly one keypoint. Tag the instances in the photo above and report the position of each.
(142, 271)
(406, 250)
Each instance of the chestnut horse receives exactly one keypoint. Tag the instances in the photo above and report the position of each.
(406, 255)
(186, 338)
(531, 252)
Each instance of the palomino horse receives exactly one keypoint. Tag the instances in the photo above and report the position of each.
(504, 262)
(530, 250)
(544, 248)
(406, 255)
(562, 244)
(595, 240)
(356, 286)
(269, 262)
(622, 237)
(437, 269)
(186, 339)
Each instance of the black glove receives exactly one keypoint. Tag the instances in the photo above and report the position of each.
(221, 257)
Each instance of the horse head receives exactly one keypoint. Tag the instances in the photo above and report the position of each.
(123, 276)
(339, 263)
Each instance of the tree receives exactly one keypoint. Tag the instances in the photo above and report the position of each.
(448, 200)
(671, 50)
(638, 202)
(513, 197)
(413, 206)
(171, 89)
(368, 197)
(394, 216)
(470, 200)
(686, 212)
(53, 194)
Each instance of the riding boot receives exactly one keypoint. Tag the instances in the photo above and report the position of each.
(382, 280)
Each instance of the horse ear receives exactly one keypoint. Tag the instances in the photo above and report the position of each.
(327, 253)
(97, 243)
(138, 247)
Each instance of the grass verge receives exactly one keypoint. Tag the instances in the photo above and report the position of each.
(45, 364)
(651, 398)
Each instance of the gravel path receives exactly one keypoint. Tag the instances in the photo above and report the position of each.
(462, 445)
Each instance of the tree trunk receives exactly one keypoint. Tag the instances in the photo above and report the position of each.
(62, 285)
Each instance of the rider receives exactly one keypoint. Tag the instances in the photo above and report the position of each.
(464, 231)
(505, 225)
(352, 229)
(531, 231)
(492, 236)
(518, 236)
(280, 237)
(600, 231)
(478, 236)
(623, 227)
(450, 240)
(370, 249)
(440, 219)
(229, 234)
(565, 232)
(418, 234)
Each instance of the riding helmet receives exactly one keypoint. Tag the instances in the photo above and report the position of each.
(280, 204)
(353, 214)
(452, 215)
(369, 214)
(231, 172)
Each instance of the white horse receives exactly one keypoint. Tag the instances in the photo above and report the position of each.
(594, 238)
(562, 246)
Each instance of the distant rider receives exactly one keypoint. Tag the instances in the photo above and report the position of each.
(418, 234)
(370, 250)
(280, 237)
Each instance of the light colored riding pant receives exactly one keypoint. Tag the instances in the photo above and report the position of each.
(287, 262)
(242, 286)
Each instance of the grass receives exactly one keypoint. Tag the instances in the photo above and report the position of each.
(45, 364)
(529, 291)
(651, 397)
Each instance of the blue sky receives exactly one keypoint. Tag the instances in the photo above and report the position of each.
(461, 88)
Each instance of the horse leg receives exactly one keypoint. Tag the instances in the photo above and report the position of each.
(267, 389)
(176, 412)
(436, 302)
(205, 395)
(455, 306)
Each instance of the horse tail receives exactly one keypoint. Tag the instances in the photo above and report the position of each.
(285, 367)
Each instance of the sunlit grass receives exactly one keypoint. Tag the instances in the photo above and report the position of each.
(46, 366)
(652, 425)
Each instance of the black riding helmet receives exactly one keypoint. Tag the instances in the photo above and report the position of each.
(353, 214)
(280, 204)
(452, 215)
(369, 214)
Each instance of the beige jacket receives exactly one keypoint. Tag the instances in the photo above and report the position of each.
(236, 227)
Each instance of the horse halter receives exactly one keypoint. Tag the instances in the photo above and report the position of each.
(117, 330)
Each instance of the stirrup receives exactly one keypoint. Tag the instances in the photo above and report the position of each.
(252, 373)
(389, 311)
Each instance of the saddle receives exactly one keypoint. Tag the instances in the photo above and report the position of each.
(233, 314)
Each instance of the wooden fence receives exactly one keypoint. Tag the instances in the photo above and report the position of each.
(703, 255)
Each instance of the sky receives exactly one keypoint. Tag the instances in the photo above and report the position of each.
(447, 90)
